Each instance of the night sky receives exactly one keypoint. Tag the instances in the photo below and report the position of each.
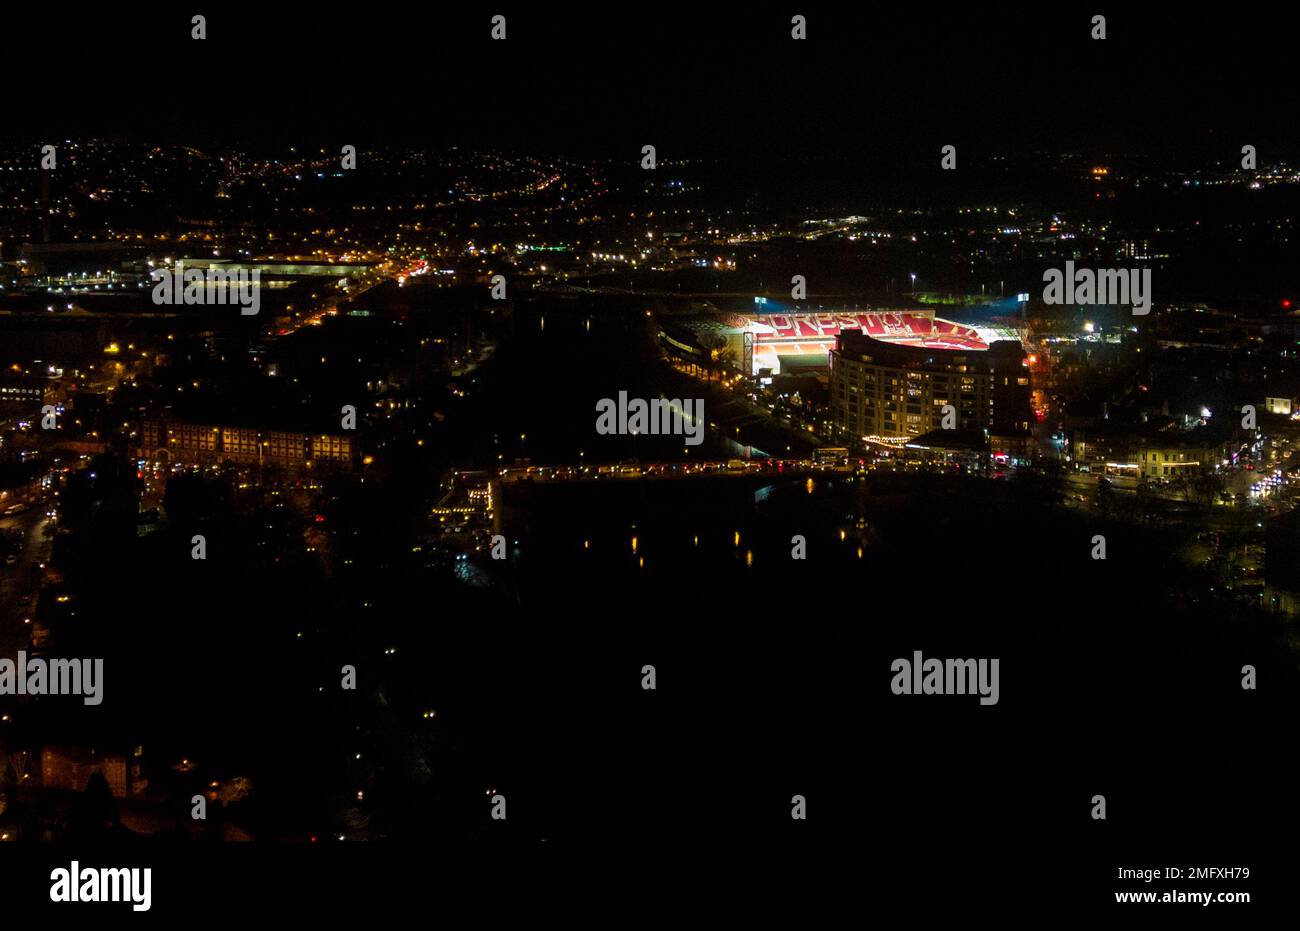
(711, 82)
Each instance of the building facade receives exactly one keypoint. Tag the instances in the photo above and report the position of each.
(890, 391)
(1167, 460)
(24, 392)
(166, 441)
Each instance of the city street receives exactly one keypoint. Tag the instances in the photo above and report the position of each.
(20, 583)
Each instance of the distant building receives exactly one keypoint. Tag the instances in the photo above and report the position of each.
(23, 391)
(466, 504)
(1014, 445)
(888, 390)
(1152, 454)
(166, 441)
(1166, 459)
(70, 769)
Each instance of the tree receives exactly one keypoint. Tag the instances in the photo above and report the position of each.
(720, 354)
(1201, 485)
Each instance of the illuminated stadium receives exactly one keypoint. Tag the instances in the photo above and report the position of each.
(787, 342)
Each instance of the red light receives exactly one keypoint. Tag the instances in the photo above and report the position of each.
(1286, 304)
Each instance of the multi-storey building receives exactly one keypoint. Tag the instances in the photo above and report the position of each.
(163, 440)
(890, 391)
